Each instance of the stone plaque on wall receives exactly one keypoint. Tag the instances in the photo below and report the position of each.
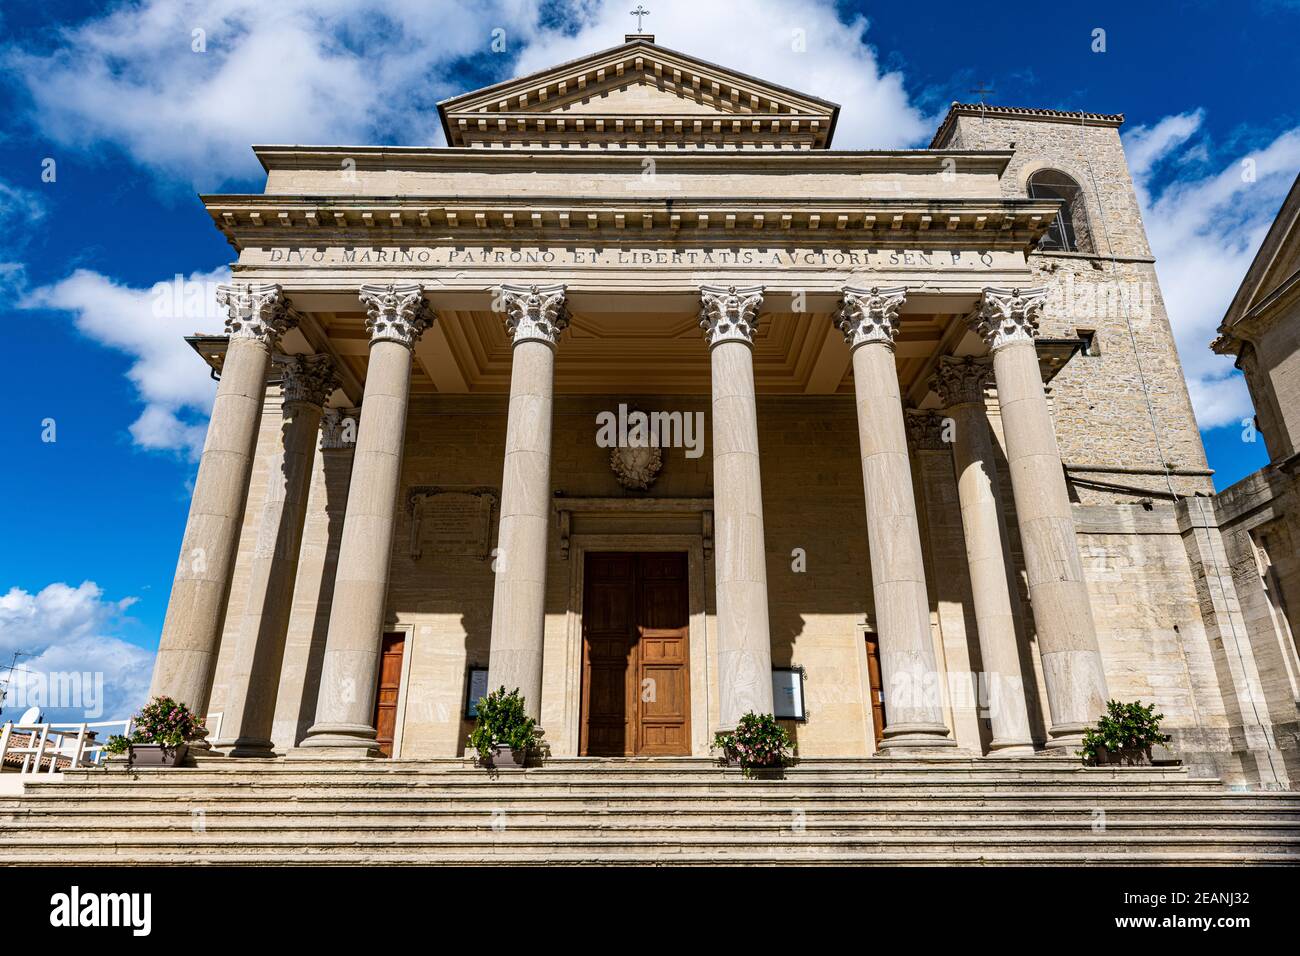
(452, 522)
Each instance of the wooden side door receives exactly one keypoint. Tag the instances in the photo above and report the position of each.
(390, 686)
(877, 687)
(608, 647)
(663, 656)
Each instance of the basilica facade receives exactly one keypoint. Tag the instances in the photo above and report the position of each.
(640, 397)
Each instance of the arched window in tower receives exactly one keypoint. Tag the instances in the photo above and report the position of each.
(1070, 231)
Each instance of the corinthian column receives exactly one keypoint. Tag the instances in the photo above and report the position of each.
(256, 317)
(959, 384)
(729, 317)
(313, 591)
(1007, 319)
(535, 318)
(396, 317)
(307, 384)
(913, 700)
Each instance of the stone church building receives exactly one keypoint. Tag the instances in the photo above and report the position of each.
(642, 398)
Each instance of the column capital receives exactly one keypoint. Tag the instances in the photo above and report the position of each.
(338, 429)
(307, 379)
(925, 430)
(256, 311)
(730, 314)
(1005, 316)
(396, 313)
(961, 381)
(535, 313)
(869, 315)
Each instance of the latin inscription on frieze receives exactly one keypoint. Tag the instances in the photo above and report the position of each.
(794, 257)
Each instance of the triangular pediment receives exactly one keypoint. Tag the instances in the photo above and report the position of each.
(1275, 271)
(638, 94)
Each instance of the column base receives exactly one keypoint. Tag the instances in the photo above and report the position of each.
(202, 749)
(1066, 737)
(246, 747)
(905, 739)
(338, 740)
(1011, 748)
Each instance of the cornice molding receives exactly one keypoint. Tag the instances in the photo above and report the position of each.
(1016, 223)
(981, 110)
(546, 94)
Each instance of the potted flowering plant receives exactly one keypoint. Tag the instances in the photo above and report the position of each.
(1123, 735)
(759, 745)
(161, 736)
(504, 736)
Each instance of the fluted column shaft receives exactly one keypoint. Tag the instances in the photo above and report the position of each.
(960, 385)
(913, 696)
(396, 317)
(535, 318)
(256, 317)
(729, 317)
(1067, 637)
(259, 640)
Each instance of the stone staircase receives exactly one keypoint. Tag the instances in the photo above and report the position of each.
(940, 810)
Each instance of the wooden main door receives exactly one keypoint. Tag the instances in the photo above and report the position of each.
(390, 685)
(635, 656)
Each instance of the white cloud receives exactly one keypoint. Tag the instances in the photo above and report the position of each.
(366, 71)
(150, 325)
(759, 37)
(1204, 231)
(21, 210)
(71, 668)
(291, 71)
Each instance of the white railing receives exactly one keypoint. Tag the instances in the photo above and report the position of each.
(53, 748)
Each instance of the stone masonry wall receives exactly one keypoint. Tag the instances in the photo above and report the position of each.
(1100, 402)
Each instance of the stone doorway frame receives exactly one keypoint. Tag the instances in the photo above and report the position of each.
(701, 647)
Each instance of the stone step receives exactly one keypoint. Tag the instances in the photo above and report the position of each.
(314, 832)
(452, 810)
(561, 856)
(544, 845)
(476, 776)
(645, 812)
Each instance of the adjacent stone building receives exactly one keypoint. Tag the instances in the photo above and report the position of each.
(641, 398)
(1260, 515)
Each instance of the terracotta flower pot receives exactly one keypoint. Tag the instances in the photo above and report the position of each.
(157, 755)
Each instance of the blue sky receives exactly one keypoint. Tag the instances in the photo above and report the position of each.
(141, 105)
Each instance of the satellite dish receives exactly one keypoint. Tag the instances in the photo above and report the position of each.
(32, 715)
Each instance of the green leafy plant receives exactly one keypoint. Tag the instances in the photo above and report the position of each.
(1123, 727)
(503, 722)
(757, 742)
(161, 721)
